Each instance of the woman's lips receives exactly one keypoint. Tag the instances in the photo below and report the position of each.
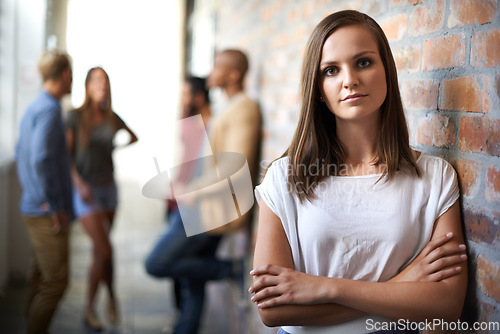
(353, 97)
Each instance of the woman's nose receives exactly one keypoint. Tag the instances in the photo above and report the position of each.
(350, 78)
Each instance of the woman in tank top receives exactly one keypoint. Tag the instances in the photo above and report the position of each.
(90, 135)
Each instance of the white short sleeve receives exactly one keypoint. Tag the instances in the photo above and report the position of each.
(274, 192)
(273, 188)
(449, 189)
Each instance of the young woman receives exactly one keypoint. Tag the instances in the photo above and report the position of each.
(355, 227)
(90, 133)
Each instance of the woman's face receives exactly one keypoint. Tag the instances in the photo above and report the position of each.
(98, 86)
(352, 76)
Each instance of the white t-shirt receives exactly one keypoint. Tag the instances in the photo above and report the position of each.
(357, 229)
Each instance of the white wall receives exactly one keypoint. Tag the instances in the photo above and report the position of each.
(22, 31)
(22, 27)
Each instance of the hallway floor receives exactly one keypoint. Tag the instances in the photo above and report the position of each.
(146, 304)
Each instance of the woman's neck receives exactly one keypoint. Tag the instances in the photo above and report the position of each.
(359, 143)
(96, 112)
(95, 107)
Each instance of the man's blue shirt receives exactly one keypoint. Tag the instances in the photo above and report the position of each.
(42, 159)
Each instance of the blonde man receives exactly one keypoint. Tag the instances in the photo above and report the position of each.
(43, 170)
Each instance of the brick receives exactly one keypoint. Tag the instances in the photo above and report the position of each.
(276, 8)
(396, 3)
(480, 135)
(395, 27)
(308, 9)
(471, 12)
(479, 227)
(488, 276)
(465, 94)
(420, 95)
(411, 120)
(493, 184)
(292, 17)
(444, 52)
(486, 313)
(497, 84)
(322, 5)
(476, 310)
(289, 98)
(266, 13)
(436, 130)
(468, 172)
(353, 4)
(485, 49)
(300, 34)
(280, 41)
(374, 7)
(407, 58)
(426, 19)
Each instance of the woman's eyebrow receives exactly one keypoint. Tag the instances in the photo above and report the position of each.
(331, 62)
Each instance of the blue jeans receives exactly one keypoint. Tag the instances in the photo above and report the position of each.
(191, 262)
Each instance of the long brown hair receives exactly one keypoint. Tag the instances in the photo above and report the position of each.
(315, 141)
(85, 122)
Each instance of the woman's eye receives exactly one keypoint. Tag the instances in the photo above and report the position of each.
(329, 71)
(364, 63)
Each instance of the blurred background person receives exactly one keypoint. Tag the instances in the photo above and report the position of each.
(194, 101)
(44, 172)
(192, 261)
(90, 134)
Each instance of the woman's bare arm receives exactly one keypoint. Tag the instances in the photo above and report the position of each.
(133, 137)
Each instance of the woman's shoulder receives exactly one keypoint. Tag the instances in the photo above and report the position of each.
(429, 159)
(281, 162)
(276, 170)
(280, 165)
(432, 165)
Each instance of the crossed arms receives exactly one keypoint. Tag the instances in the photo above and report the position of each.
(432, 286)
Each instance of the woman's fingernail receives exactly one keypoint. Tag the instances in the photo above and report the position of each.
(461, 246)
(458, 268)
(251, 272)
(463, 256)
(449, 234)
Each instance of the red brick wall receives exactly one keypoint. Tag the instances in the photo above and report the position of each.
(448, 58)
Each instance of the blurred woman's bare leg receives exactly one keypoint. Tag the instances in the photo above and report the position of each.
(96, 227)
